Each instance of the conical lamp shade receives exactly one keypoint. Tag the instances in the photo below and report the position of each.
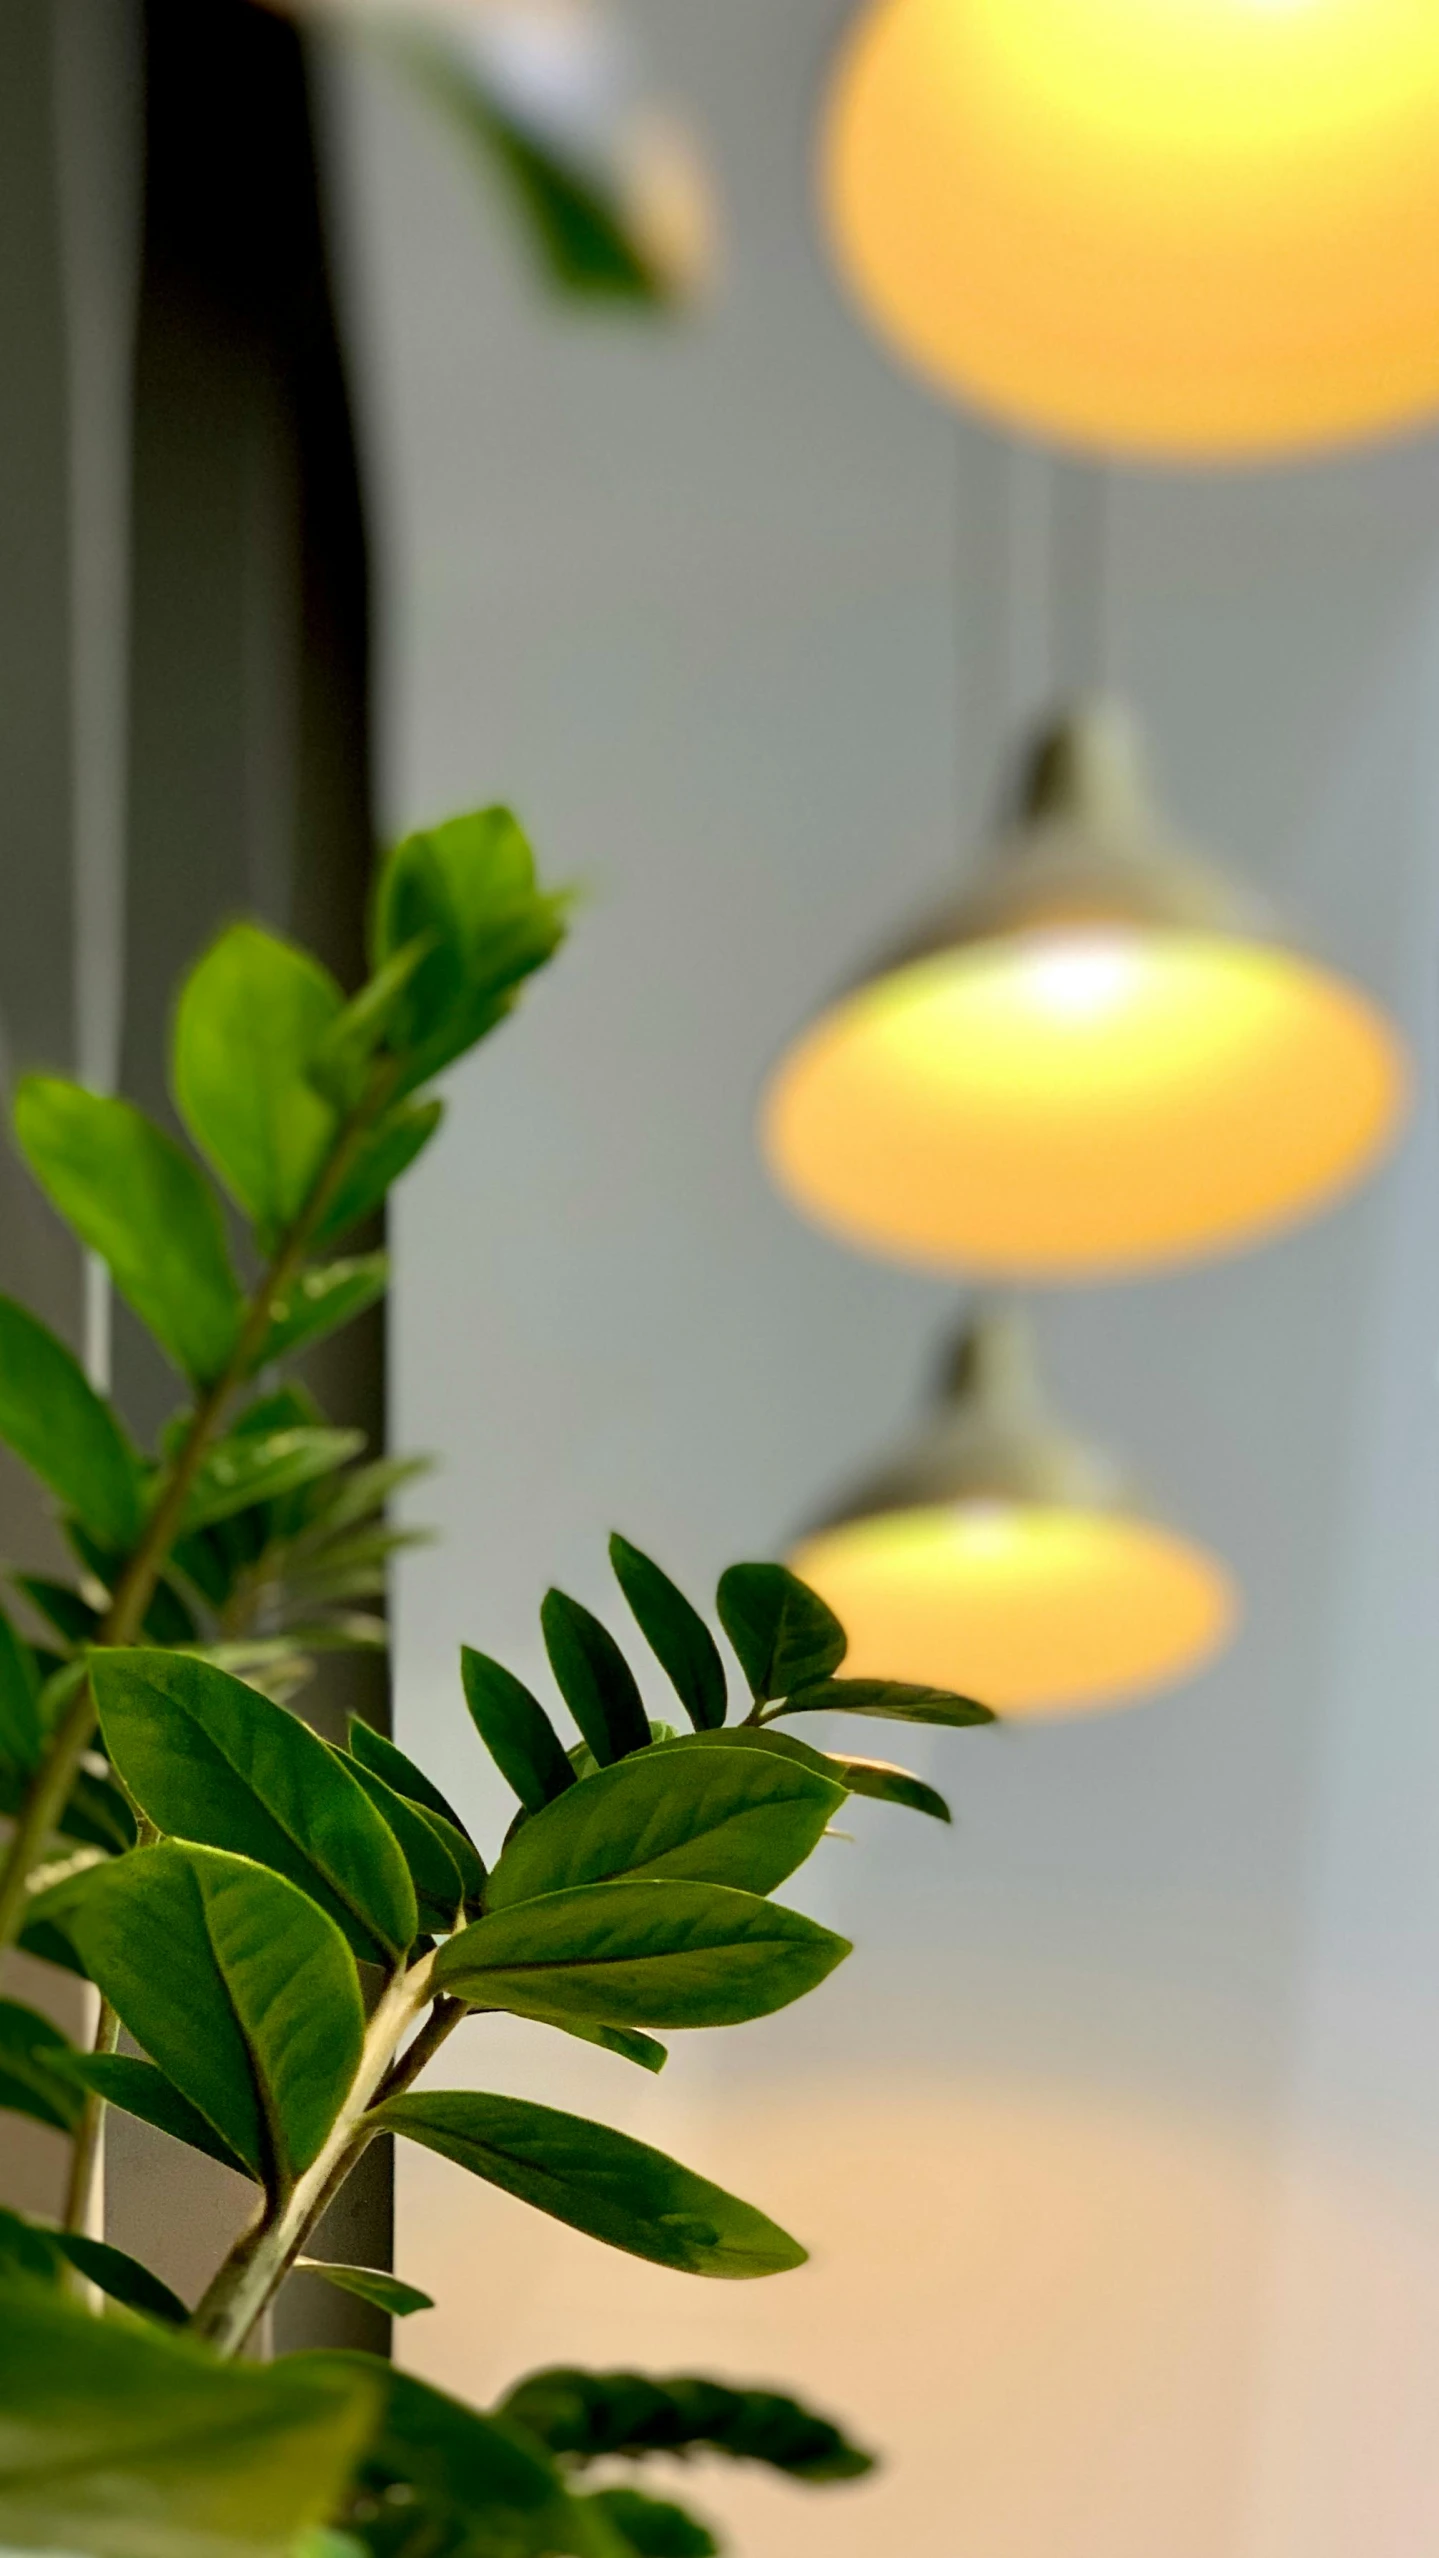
(1190, 228)
(1093, 1064)
(999, 1557)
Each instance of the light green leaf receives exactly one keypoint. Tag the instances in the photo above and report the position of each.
(888, 1784)
(21, 1730)
(252, 1466)
(470, 885)
(319, 1301)
(251, 1017)
(594, 1678)
(33, 2076)
(382, 2291)
(65, 1432)
(210, 1759)
(782, 1632)
(592, 2415)
(889, 1700)
(341, 1064)
(137, 2087)
(388, 1151)
(646, 1954)
(675, 1632)
(134, 1198)
(243, 1992)
(598, 2181)
(125, 2442)
(515, 1730)
(704, 1816)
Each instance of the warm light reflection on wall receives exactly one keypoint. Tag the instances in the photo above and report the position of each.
(1186, 227)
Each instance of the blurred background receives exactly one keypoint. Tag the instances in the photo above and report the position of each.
(1114, 2143)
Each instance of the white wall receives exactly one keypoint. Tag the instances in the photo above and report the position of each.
(1114, 2139)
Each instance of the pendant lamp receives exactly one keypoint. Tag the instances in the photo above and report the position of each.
(1201, 229)
(1001, 1557)
(1098, 1061)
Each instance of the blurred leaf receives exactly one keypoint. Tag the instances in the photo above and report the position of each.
(515, 1730)
(613, 2188)
(653, 2528)
(72, 1617)
(782, 1632)
(584, 2416)
(139, 2088)
(396, 1141)
(30, 2080)
(594, 1678)
(133, 1197)
(249, 1467)
(251, 1015)
(646, 1954)
(319, 1301)
(383, 2291)
(121, 2277)
(469, 885)
(341, 1062)
(21, 1730)
(890, 1785)
(64, 1431)
(890, 1700)
(675, 1632)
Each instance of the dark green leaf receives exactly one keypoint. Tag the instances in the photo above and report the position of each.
(237, 1985)
(676, 1634)
(319, 1301)
(623, 2041)
(251, 1015)
(434, 1872)
(138, 2088)
(253, 1466)
(594, 1679)
(646, 1954)
(33, 2078)
(382, 2291)
(515, 1730)
(706, 1816)
(24, 2249)
(470, 885)
(210, 1759)
(97, 1814)
(376, 1166)
(890, 1785)
(66, 1433)
(121, 2277)
(890, 1700)
(134, 1198)
(376, 1750)
(584, 2416)
(72, 1617)
(125, 2442)
(21, 1730)
(652, 2527)
(598, 2181)
(782, 1632)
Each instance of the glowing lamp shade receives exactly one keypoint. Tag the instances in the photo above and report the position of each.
(1194, 228)
(1093, 1072)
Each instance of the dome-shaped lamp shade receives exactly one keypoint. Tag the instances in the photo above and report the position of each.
(1002, 1560)
(1092, 1066)
(1195, 228)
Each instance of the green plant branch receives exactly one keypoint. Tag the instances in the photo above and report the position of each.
(85, 2149)
(407, 2067)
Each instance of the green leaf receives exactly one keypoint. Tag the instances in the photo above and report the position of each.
(584, 2416)
(888, 1784)
(24, 2249)
(21, 1730)
(640, 1953)
(376, 1166)
(210, 1759)
(133, 1197)
(33, 2078)
(139, 2088)
(72, 1617)
(121, 2277)
(676, 1634)
(469, 884)
(243, 1992)
(434, 1872)
(125, 2442)
(623, 2041)
(705, 1816)
(782, 1632)
(594, 1679)
(598, 2181)
(382, 2291)
(250, 1466)
(515, 1730)
(341, 1063)
(319, 1301)
(64, 1431)
(890, 1700)
(251, 1016)
(652, 2527)
(376, 1750)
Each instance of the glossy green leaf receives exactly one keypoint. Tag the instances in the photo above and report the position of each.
(594, 1678)
(132, 1196)
(139, 2088)
(393, 1145)
(21, 1730)
(121, 2277)
(376, 1750)
(321, 1299)
(126, 2442)
(242, 1991)
(647, 1954)
(33, 2077)
(383, 2291)
(652, 2527)
(587, 2415)
(64, 1431)
(888, 1784)
(251, 1466)
(707, 1816)
(889, 1700)
(515, 1730)
(434, 1872)
(251, 1015)
(210, 1759)
(676, 1634)
(470, 885)
(782, 1632)
(613, 2188)
(622, 2041)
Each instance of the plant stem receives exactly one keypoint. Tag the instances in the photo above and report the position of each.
(444, 2017)
(85, 2153)
(260, 2259)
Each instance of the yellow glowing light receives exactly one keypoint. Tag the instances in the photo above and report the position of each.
(1184, 227)
(1036, 1611)
(1066, 1104)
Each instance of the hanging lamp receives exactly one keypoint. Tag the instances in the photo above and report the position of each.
(1096, 1062)
(999, 1556)
(1202, 229)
